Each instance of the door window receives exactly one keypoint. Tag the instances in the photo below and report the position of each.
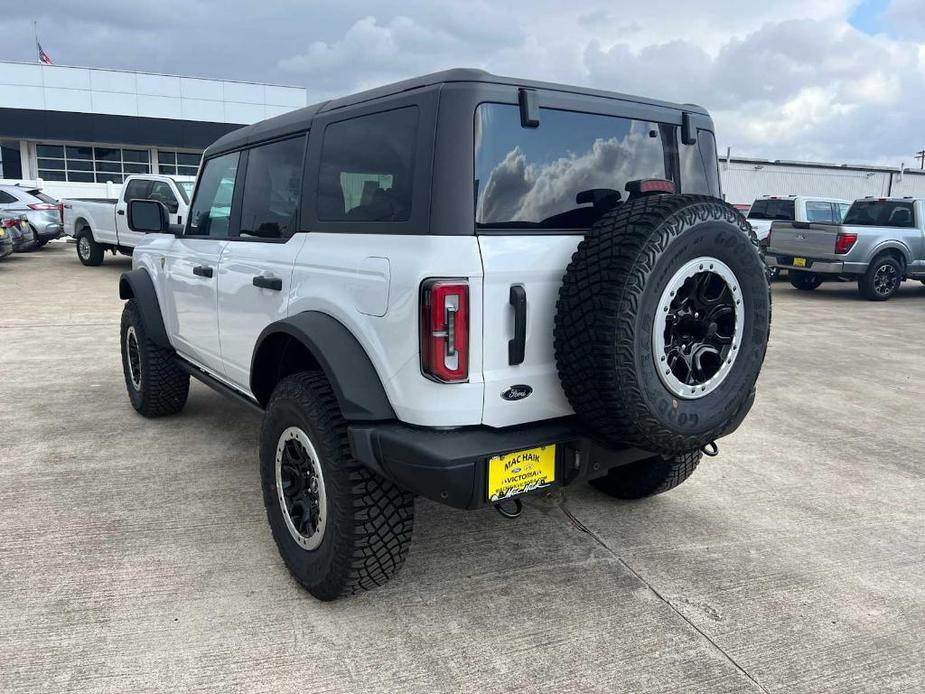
(842, 210)
(820, 212)
(211, 211)
(161, 192)
(272, 184)
(136, 189)
(367, 168)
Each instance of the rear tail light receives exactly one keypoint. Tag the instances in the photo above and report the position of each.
(42, 206)
(445, 330)
(9, 223)
(844, 242)
(61, 211)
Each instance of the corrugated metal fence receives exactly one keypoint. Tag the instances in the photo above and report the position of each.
(746, 179)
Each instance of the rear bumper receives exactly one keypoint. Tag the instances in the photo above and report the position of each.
(451, 466)
(822, 266)
(49, 231)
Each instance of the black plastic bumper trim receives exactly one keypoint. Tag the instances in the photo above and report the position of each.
(450, 466)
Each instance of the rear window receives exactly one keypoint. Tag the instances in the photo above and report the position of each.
(41, 196)
(534, 177)
(880, 213)
(772, 209)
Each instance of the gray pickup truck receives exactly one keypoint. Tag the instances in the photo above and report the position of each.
(880, 243)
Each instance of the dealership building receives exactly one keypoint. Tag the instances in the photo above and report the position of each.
(80, 131)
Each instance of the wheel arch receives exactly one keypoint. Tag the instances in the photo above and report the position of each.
(894, 249)
(316, 341)
(138, 285)
(80, 224)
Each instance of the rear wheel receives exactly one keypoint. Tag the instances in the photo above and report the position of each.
(339, 527)
(882, 279)
(88, 250)
(805, 281)
(648, 477)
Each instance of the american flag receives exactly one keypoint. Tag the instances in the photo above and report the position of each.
(43, 56)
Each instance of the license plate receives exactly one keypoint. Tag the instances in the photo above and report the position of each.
(521, 472)
(799, 262)
(2, 232)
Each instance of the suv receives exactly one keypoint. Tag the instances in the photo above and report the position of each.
(465, 287)
(41, 211)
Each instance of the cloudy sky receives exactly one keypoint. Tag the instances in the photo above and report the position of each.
(831, 80)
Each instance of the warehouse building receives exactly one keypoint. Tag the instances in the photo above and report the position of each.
(746, 179)
(79, 131)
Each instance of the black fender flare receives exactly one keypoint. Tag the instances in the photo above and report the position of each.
(138, 285)
(334, 350)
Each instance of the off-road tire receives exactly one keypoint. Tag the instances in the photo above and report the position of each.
(867, 282)
(369, 519)
(164, 386)
(805, 281)
(648, 477)
(606, 313)
(90, 254)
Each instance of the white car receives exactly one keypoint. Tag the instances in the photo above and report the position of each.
(470, 314)
(100, 224)
(768, 209)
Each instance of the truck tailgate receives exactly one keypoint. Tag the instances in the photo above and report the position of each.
(803, 239)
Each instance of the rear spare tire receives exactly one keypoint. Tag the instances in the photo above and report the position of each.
(662, 323)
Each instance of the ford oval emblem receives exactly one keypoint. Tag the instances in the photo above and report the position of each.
(518, 392)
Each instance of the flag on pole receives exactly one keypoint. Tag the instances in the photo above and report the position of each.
(44, 58)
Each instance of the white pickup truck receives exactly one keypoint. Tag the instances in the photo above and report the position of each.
(100, 224)
(768, 209)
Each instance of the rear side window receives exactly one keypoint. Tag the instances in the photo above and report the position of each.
(782, 210)
(211, 211)
(6, 198)
(137, 189)
(880, 213)
(367, 168)
(843, 208)
(272, 185)
(565, 173)
(819, 212)
(699, 166)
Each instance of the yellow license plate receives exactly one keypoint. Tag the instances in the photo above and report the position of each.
(521, 472)
(799, 262)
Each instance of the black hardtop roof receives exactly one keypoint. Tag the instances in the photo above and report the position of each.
(301, 119)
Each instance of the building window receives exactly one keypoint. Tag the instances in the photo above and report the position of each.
(86, 164)
(172, 163)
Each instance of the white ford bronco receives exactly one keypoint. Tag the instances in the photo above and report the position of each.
(465, 287)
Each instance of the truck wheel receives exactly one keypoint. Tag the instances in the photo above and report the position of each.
(156, 385)
(648, 477)
(805, 281)
(882, 279)
(339, 528)
(662, 323)
(88, 250)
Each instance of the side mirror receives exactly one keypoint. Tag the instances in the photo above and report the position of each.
(148, 217)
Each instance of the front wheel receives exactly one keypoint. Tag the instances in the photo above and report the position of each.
(156, 385)
(340, 528)
(882, 279)
(805, 281)
(648, 477)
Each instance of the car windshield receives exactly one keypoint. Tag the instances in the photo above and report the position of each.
(772, 209)
(186, 190)
(880, 213)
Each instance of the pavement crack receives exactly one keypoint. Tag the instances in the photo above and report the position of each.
(576, 522)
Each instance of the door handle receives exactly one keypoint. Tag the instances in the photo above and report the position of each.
(202, 271)
(274, 283)
(120, 211)
(516, 347)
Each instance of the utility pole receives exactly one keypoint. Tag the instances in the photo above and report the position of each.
(921, 157)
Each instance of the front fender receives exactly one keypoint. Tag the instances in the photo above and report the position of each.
(336, 351)
(138, 285)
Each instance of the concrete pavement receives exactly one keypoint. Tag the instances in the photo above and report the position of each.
(135, 554)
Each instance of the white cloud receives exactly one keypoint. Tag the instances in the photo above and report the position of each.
(783, 79)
